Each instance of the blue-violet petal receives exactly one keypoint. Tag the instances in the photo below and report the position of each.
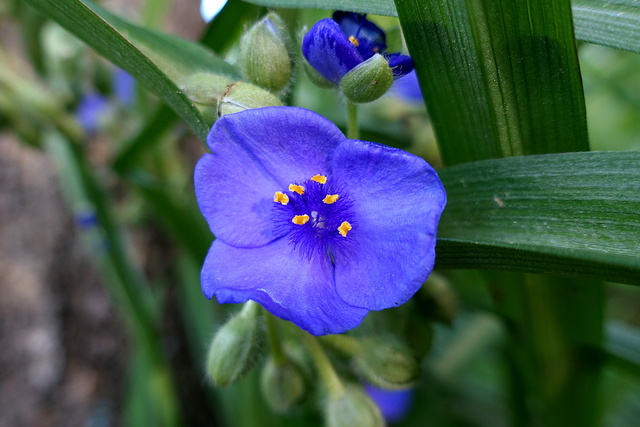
(397, 198)
(282, 281)
(329, 51)
(400, 64)
(256, 153)
(371, 39)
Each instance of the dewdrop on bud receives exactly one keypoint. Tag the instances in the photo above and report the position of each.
(264, 55)
(242, 96)
(367, 81)
(282, 384)
(235, 347)
(353, 408)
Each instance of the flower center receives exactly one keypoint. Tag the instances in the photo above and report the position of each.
(316, 216)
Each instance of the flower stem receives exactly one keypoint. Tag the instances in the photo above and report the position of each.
(275, 345)
(353, 131)
(335, 388)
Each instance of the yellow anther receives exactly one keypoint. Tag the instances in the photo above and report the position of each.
(344, 228)
(354, 41)
(297, 188)
(330, 198)
(319, 178)
(281, 198)
(300, 219)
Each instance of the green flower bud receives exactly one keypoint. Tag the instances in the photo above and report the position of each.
(235, 347)
(386, 363)
(242, 96)
(204, 88)
(264, 55)
(367, 81)
(381, 361)
(353, 408)
(282, 384)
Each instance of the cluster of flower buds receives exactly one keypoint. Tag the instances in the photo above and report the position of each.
(378, 369)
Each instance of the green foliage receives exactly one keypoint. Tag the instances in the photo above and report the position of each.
(503, 89)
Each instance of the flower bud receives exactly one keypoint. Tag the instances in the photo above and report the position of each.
(353, 408)
(368, 81)
(264, 56)
(386, 363)
(242, 96)
(204, 88)
(235, 347)
(282, 384)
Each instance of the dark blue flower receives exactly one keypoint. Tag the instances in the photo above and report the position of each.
(317, 228)
(335, 46)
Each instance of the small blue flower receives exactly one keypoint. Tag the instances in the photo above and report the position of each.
(335, 46)
(317, 228)
(91, 112)
(394, 404)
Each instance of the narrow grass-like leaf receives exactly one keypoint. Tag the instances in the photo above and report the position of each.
(500, 78)
(126, 283)
(162, 63)
(574, 214)
(610, 23)
(377, 7)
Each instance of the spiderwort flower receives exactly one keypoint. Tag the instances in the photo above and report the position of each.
(317, 228)
(333, 47)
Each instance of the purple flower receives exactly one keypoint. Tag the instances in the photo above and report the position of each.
(394, 404)
(91, 111)
(317, 228)
(335, 46)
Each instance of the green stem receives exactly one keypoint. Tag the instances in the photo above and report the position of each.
(353, 132)
(328, 375)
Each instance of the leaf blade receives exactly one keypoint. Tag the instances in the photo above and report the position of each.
(613, 24)
(545, 214)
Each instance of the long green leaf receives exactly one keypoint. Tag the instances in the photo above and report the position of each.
(610, 23)
(500, 78)
(163, 63)
(574, 214)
